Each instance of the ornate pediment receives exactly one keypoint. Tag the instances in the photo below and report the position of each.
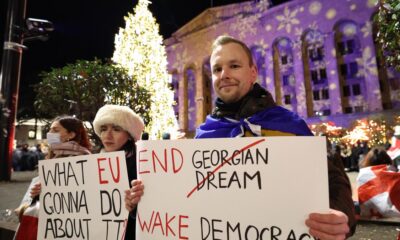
(215, 15)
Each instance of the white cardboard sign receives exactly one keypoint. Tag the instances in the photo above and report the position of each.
(82, 197)
(231, 188)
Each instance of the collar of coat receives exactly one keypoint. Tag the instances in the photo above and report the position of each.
(256, 100)
(255, 114)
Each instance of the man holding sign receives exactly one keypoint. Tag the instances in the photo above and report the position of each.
(244, 108)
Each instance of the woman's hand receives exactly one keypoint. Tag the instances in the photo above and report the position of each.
(133, 195)
(35, 190)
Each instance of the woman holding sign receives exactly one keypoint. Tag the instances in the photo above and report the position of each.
(119, 128)
(67, 137)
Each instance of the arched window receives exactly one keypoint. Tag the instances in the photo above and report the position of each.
(190, 77)
(351, 79)
(315, 76)
(285, 82)
(259, 60)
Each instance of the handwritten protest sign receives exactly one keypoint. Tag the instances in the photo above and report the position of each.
(83, 197)
(238, 188)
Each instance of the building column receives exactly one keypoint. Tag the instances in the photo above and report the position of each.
(368, 61)
(39, 131)
(300, 86)
(182, 95)
(269, 65)
(199, 96)
(332, 73)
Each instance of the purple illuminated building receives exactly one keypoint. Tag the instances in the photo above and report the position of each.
(316, 57)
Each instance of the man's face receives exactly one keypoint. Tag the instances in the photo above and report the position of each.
(232, 75)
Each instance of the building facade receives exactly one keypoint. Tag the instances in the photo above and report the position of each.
(30, 131)
(317, 58)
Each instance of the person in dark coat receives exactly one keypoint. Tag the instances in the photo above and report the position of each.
(16, 158)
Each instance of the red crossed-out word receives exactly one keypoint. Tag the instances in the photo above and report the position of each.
(226, 161)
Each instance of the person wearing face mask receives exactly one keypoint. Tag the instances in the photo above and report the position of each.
(67, 137)
(119, 128)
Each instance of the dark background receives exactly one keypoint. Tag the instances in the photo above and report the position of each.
(85, 29)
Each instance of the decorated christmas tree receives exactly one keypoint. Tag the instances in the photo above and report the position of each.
(139, 48)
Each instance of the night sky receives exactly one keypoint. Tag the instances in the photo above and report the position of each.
(85, 29)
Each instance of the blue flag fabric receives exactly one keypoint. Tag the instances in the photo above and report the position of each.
(275, 118)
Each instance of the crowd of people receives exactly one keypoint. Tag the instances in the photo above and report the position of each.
(378, 178)
(352, 156)
(25, 158)
(243, 108)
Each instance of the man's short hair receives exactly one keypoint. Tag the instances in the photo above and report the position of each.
(225, 39)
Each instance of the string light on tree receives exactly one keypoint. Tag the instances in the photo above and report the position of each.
(359, 133)
(377, 130)
(373, 131)
(330, 130)
(139, 48)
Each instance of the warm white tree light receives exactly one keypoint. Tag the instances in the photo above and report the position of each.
(139, 48)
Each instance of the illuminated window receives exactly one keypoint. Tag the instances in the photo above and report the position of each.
(284, 60)
(356, 89)
(325, 94)
(346, 47)
(287, 99)
(316, 95)
(346, 91)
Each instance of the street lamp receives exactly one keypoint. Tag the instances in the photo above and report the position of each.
(37, 29)
(31, 134)
(17, 30)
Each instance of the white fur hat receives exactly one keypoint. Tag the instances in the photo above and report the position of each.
(121, 116)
